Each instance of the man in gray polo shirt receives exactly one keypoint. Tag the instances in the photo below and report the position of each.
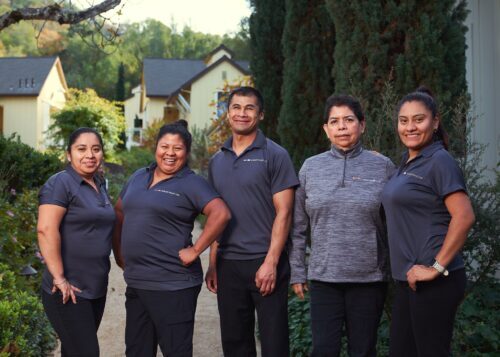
(248, 269)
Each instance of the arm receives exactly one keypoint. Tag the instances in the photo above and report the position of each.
(49, 240)
(217, 217)
(117, 235)
(211, 276)
(462, 219)
(265, 278)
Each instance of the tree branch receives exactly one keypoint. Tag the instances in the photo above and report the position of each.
(56, 13)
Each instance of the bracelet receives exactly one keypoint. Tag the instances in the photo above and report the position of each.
(60, 283)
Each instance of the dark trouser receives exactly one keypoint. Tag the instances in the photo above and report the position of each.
(422, 321)
(238, 299)
(164, 318)
(75, 324)
(358, 305)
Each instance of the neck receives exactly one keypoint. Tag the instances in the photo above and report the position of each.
(241, 142)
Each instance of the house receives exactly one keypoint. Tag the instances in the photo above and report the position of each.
(483, 76)
(31, 88)
(181, 88)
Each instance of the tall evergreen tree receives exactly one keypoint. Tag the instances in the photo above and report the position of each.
(120, 84)
(403, 43)
(266, 28)
(308, 45)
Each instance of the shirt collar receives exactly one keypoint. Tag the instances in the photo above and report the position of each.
(353, 152)
(71, 171)
(259, 142)
(427, 151)
(185, 170)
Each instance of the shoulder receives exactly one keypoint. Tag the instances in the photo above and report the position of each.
(275, 148)
(443, 162)
(62, 178)
(376, 156)
(316, 160)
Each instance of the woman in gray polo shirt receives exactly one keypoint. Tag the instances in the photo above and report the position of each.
(75, 223)
(338, 202)
(152, 242)
(428, 218)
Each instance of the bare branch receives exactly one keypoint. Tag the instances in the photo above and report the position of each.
(56, 13)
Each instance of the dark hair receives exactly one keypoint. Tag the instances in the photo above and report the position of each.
(247, 92)
(424, 95)
(342, 100)
(76, 134)
(179, 127)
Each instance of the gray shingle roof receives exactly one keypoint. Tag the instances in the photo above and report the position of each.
(162, 77)
(24, 75)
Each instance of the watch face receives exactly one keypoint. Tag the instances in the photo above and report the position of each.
(445, 273)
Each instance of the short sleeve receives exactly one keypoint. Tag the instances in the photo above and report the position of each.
(283, 174)
(127, 184)
(55, 191)
(447, 177)
(200, 192)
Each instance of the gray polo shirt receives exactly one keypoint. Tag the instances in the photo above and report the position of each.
(417, 218)
(85, 230)
(338, 203)
(247, 184)
(158, 222)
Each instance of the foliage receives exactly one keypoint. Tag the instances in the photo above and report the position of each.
(22, 168)
(135, 158)
(86, 109)
(299, 323)
(266, 29)
(200, 155)
(150, 134)
(24, 328)
(308, 44)
(407, 42)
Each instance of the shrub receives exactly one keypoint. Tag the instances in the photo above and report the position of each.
(22, 167)
(24, 328)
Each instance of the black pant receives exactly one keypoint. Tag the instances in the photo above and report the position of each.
(358, 305)
(75, 324)
(164, 318)
(238, 298)
(422, 321)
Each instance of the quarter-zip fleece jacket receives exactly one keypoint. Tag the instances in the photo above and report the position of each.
(338, 204)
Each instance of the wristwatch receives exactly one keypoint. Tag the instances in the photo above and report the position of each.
(441, 269)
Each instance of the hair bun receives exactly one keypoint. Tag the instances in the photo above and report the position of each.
(181, 122)
(424, 89)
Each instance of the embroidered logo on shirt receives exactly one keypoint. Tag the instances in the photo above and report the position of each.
(357, 178)
(167, 192)
(413, 175)
(255, 160)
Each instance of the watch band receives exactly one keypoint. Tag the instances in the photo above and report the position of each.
(441, 269)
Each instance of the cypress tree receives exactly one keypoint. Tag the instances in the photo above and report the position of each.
(120, 84)
(308, 44)
(266, 28)
(386, 49)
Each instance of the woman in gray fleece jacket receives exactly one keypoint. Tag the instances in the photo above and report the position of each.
(338, 204)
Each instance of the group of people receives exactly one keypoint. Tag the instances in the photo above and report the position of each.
(352, 206)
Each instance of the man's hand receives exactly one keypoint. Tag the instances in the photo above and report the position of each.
(265, 278)
(420, 273)
(211, 279)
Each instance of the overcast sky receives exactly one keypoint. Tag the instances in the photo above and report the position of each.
(208, 16)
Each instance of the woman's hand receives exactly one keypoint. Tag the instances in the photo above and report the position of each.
(188, 255)
(67, 290)
(420, 273)
(299, 289)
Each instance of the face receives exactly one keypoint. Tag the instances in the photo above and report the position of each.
(86, 154)
(171, 154)
(416, 126)
(243, 114)
(343, 127)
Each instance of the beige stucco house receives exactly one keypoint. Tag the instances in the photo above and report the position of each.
(181, 88)
(31, 88)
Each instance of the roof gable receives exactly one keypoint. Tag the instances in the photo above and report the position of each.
(24, 76)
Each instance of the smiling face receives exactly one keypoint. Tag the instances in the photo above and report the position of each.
(416, 126)
(86, 154)
(171, 154)
(343, 128)
(244, 114)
